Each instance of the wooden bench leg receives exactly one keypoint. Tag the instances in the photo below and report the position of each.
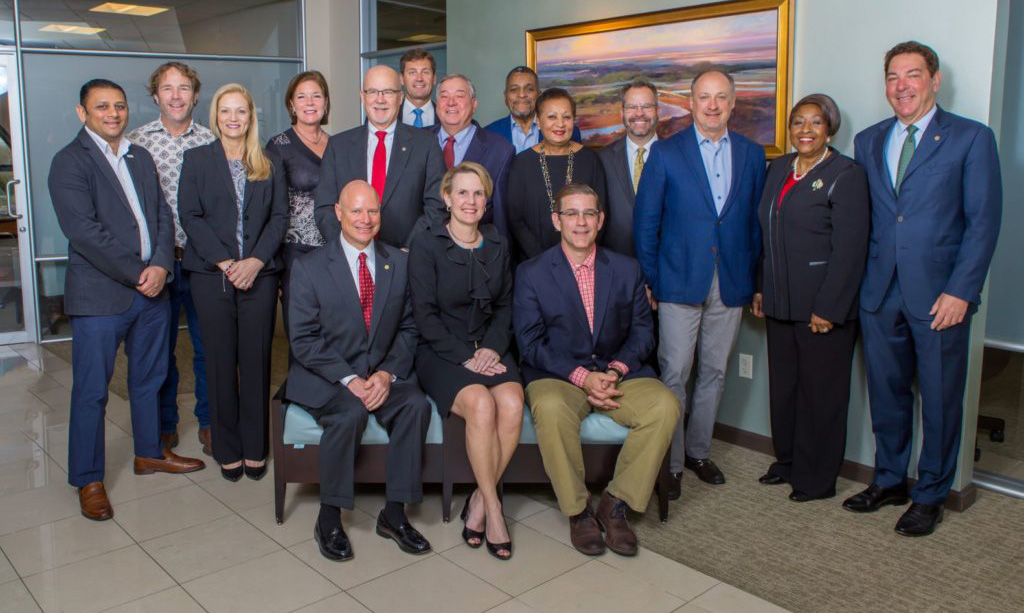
(662, 487)
(446, 499)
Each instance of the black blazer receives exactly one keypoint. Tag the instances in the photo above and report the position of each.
(209, 215)
(326, 330)
(495, 154)
(815, 246)
(618, 223)
(412, 187)
(460, 299)
(551, 325)
(104, 264)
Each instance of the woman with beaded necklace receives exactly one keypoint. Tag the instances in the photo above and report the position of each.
(814, 216)
(539, 172)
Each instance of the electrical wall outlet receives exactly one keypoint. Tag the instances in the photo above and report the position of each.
(746, 366)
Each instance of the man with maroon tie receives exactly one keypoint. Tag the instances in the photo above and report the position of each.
(403, 164)
(354, 338)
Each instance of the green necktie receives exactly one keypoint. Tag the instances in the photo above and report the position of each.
(906, 153)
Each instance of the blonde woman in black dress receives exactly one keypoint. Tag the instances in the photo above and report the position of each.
(462, 299)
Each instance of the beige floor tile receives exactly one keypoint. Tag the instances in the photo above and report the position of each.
(99, 583)
(120, 414)
(667, 574)
(374, 556)
(168, 512)
(15, 598)
(243, 494)
(123, 485)
(432, 585)
(339, 603)
(427, 518)
(535, 559)
(30, 473)
(7, 572)
(15, 399)
(37, 507)
(596, 587)
(51, 363)
(54, 440)
(174, 600)
(995, 463)
(726, 599)
(1016, 472)
(63, 378)
(517, 506)
(300, 513)
(276, 582)
(33, 422)
(512, 606)
(56, 398)
(208, 548)
(14, 445)
(7, 352)
(67, 541)
(30, 351)
(552, 523)
(691, 608)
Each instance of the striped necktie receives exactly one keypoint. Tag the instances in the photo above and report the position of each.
(906, 153)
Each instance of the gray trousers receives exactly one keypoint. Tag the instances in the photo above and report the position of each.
(714, 327)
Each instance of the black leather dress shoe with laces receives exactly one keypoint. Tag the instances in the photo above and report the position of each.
(919, 520)
(875, 497)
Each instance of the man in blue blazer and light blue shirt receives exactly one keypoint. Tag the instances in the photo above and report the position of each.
(936, 205)
(698, 240)
(520, 127)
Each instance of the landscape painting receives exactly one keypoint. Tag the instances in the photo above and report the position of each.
(747, 39)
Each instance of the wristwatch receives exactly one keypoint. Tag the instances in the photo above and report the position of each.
(618, 373)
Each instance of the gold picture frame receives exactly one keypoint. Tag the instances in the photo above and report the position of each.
(750, 38)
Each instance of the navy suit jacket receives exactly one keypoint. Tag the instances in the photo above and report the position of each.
(495, 155)
(551, 325)
(679, 235)
(325, 323)
(92, 209)
(937, 236)
(503, 128)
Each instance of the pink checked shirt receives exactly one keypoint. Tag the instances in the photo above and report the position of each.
(584, 274)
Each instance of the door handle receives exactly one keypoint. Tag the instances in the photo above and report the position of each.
(10, 201)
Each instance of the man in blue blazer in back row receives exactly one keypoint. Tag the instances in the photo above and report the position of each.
(698, 240)
(936, 201)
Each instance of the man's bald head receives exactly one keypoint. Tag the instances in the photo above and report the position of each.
(358, 212)
(381, 96)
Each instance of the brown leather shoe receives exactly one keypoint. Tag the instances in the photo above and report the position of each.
(204, 438)
(618, 536)
(169, 463)
(94, 502)
(585, 534)
(169, 440)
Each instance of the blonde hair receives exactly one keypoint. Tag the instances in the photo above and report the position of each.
(255, 161)
(467, 168)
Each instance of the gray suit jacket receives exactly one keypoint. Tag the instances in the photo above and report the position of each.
(104, 262)
(618, 225)
(412, 187)
(328, 337)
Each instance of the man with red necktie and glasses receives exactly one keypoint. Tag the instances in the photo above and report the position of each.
(403, 164)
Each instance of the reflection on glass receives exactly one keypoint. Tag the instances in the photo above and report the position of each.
(410, 22)
(52, 320)
(12, 313)
(7, 22)
(239, 27)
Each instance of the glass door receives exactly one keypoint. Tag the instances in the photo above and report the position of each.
(17, 306)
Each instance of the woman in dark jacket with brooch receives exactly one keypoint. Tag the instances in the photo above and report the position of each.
(461, 283)
(814, 216)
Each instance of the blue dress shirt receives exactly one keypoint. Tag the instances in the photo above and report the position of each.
(897, 136)
(718, 166)
(462, 139)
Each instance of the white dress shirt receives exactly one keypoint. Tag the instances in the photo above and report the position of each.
(124, 177)
(371, 146)
(631, 148)
(898, 135)
(408, 117)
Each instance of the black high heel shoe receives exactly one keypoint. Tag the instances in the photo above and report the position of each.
(255, 472)
(495, 549)
(231, 474)
(468, 534)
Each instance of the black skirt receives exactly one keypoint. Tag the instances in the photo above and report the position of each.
(442, 380)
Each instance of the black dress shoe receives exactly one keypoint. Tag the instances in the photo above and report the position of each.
(255, 472)
(770, 479)
(796, 496)
(875, 497)
(408, 538)
(335, 546)
(706, 470)
(919, 520)
(675, 486)
(231, 474)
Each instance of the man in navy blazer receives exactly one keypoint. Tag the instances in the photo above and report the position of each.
(109, 204)
(585, 332)
(519, 127)
(698, 240)
(936, 204)
(463, 140)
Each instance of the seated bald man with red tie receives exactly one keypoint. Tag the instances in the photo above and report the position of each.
(403, 164)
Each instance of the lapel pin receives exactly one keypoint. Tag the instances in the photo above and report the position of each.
(403, 148)
(387, 267)
(937, 137)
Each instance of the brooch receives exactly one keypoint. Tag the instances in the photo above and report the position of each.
(817, 184)
(387, 267)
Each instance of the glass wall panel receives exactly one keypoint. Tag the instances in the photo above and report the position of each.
(391, 59)
(51, 94)
(6, 22)
(223, 27)
(50, 288)
(410, 22)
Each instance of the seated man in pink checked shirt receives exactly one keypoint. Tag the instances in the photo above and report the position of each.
(584, 329)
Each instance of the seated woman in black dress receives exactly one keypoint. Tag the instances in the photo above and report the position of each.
(539, 172)
(461, 283)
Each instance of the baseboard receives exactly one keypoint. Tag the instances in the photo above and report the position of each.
(959, 500)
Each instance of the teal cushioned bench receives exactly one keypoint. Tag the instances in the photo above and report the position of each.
(301, 429)
(596, 429)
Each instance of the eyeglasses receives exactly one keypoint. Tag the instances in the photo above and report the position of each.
(388, 93)
(588, 214)
(639, 107)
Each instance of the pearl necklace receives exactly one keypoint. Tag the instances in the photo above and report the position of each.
(461, 243)
(797, 177)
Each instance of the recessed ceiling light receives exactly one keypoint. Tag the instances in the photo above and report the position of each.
(68, 29)
(424, 38)
(137, 10)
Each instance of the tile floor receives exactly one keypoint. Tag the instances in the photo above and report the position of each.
(181, 543)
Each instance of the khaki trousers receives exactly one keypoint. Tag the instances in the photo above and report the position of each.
(648, 408)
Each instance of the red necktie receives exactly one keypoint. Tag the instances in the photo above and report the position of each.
(365, 290)
(449, 152)
(380, 165)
